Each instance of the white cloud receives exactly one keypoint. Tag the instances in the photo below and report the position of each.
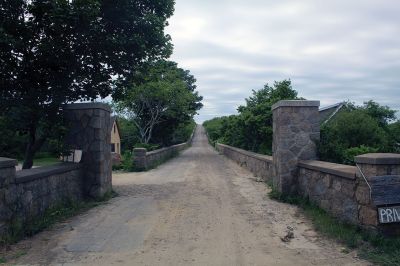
(332, 50)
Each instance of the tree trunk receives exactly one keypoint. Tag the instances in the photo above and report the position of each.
(32, 147)
(29, 153)
(28, 160)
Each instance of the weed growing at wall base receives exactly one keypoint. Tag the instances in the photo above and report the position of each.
(370, 245)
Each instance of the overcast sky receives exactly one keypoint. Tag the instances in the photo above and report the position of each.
(331, 50)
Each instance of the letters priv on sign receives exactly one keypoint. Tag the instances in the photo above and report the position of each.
(389, 214)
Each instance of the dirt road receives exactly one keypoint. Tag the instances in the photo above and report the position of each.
(197, 209)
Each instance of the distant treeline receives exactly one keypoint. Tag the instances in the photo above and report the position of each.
(352, 131)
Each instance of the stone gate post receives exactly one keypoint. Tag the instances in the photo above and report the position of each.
(139, 159)
(90, 131)
(295, 131)
(8, 194)
(379, 170)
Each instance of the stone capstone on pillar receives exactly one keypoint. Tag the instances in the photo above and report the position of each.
(90, 131)
(296, 130)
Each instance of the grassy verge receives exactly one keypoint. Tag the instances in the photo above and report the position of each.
(58, 213)
(45, 161)
(369, 245)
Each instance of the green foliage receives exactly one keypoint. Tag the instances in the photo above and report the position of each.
(394, 131)
(160, 100)
(56, 52)
(214, 129)
(371, 245)
(127, 161)
(357, 130)
(251, 129)
(350, 153)
(11, 143)
(183, 132)
(129, 134)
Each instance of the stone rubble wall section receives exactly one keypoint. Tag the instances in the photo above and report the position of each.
(144, 160)
(260, 165)
(336, 188)
(331, 189)
(27, 194)
(158, 156)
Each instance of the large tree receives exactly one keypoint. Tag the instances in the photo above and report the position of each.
(54, 52)
(160, 97)
(251, 129)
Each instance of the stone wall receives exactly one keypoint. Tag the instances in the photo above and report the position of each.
(332, 187)
(143, 160)
(336, 188)
(26, 195)
(260, 165)
(352, 194)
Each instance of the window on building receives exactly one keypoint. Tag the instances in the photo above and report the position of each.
(112, 147)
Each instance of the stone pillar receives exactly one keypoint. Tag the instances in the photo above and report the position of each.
(373, 165)
(8, 193)
(139, 159)
(295, 131)
(90, 131)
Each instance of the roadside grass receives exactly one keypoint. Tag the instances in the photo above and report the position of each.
(45, 161)
(17, 231)
(371, 246)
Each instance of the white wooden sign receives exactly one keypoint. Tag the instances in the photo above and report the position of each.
(389, 214)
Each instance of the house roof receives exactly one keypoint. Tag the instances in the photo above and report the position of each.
(114, 119)
(326, 113)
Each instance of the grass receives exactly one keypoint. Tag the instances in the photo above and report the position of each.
(45, 161)
(370, 245)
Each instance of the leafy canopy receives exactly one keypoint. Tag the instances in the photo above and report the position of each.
(251, 129)
(54, 52)
(160, 94)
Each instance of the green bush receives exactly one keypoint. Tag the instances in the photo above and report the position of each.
(358, 130)
(127, 161)
(350, 153)
(251, 129)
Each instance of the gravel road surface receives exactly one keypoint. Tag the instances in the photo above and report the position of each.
(199, 208)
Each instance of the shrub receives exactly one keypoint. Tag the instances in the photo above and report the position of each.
(350, 153)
